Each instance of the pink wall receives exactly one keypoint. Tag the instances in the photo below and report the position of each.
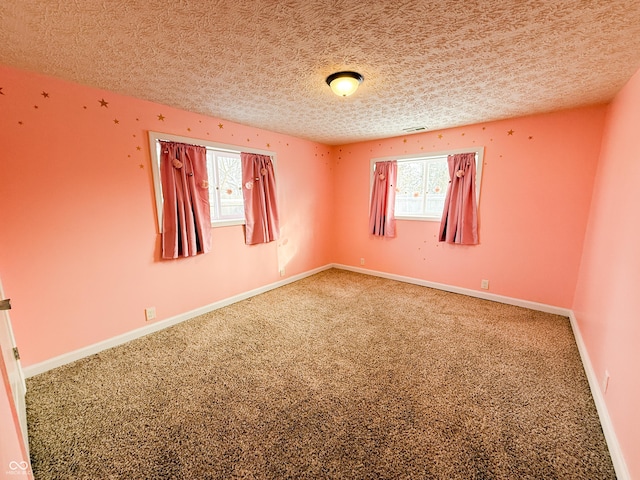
(80, 259)
(79, 249)
(536, 189)
(607, 301)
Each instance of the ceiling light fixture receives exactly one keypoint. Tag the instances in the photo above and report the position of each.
(344, 84)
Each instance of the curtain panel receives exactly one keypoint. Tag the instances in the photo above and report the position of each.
(260, 203)
(186, 219)
(460, 215)
(382, 220)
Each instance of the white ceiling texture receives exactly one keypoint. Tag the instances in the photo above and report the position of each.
(426, 64)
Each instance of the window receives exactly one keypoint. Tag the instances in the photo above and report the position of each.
(225, 178)
(421, 186)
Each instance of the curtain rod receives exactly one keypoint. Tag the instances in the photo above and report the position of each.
(159, 136)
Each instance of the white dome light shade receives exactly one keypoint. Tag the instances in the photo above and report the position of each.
(344, 84)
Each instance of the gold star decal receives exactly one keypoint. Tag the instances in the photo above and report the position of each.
(84, 106)
(104, 103)
(35, 106)
(188, 129)
(220, 125)
(161, 117)
(20, 122)
(45, 94)
(138, 147)
(510, 132)
(440, 136)
(116, 121)
(141, 166)
(404, 140)
(268, 145)
(530, 137)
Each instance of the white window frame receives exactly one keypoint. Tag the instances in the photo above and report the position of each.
(479, 151)
(155, 137)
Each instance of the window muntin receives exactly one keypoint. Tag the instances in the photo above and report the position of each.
(422, 183)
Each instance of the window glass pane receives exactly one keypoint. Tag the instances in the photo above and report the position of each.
(437, 183)
(230, 186)
(410, 187)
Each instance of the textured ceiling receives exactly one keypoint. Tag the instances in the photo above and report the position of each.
(432, 64)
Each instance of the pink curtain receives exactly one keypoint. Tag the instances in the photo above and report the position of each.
(186, 220)
(382, 221)
(460, 216)
(259, 192)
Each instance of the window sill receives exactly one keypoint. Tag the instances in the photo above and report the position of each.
(226, 223)
(420, 219)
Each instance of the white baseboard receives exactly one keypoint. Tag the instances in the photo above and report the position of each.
(615, 451)
(66, 358)
(614, 447)
(541, 307)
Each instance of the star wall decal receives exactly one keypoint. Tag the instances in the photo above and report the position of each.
(440, 136)
(45, 94)
(220, 125)
(104, 103)
(116, 121)
(510, 132)
(161, 117)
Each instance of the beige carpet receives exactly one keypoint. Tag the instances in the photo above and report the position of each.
(339, 375)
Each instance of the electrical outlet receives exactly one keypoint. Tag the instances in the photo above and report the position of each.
(605, 381)
(150, 313)
(484, 284)
(282, 272)
(362, 261)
